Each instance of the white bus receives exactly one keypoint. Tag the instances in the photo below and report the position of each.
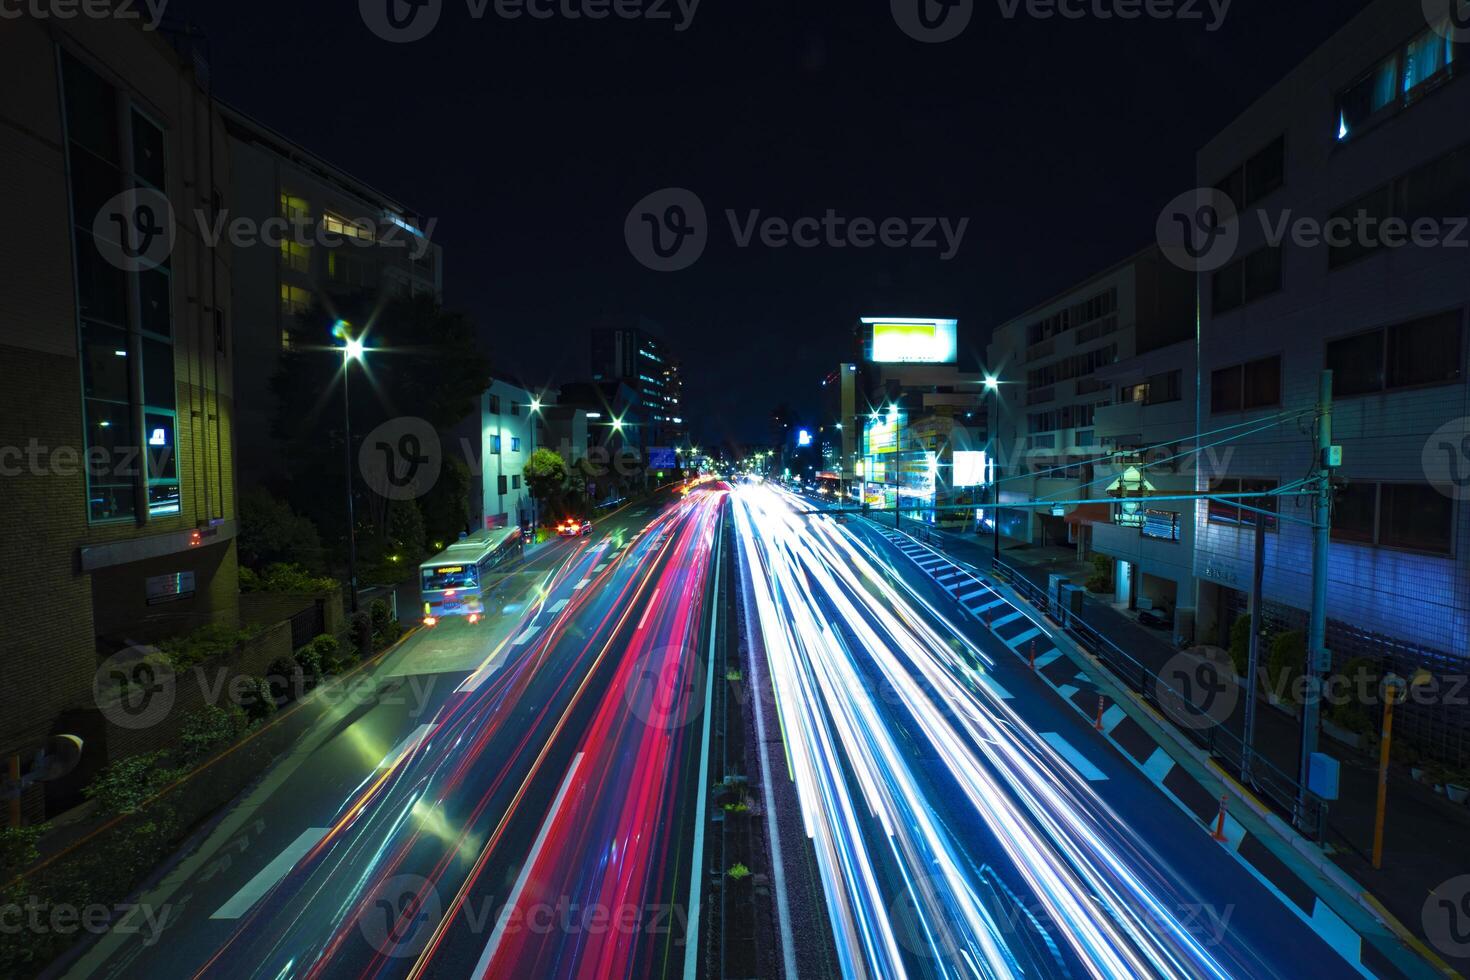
(453, 582)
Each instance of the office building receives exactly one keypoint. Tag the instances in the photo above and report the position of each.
(634, 353)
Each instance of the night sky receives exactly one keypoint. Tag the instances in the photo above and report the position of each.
(530, 140)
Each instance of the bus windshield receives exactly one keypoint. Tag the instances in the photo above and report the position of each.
(450, 577)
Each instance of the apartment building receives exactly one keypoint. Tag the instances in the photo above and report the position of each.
(509, 433)
(323, 235)
(117, 412)
(1050, 364)
(1369, 130)
(634, 352)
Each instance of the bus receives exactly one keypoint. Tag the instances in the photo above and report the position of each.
(454, 582)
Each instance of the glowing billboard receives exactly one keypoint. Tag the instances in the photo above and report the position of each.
(912, 340)
(969, 469)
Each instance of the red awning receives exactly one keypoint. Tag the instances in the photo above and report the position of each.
(1091, 514)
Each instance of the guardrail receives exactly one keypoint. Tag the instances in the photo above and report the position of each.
(1308, 813)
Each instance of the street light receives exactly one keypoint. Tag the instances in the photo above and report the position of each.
(352, 350)
(1394, 688)
(992, 385)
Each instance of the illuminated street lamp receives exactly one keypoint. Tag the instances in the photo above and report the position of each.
(352, 349)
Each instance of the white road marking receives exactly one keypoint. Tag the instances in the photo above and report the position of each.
(581, 585)
(263, 882)
(560, 606)
(1079, 762)
(527, 636)
(1004, 620)
(995, 687)
(482, 968)
(1020, 638)
(406, 746)
(1047, 658)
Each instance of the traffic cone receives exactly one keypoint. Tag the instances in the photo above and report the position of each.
(1033, 655)
(1219, 833)
(1099, 724)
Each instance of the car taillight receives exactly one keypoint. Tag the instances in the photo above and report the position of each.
(474, 618)
(430, 620)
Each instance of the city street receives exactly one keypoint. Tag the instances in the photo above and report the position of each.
(439, 830)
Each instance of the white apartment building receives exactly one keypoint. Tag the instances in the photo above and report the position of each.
(1048, 362)
(508, 433)
(1372, 125)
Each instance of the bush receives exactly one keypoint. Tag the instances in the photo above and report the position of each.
(386, 629)
(309, 659)
(207, 729)
(333, 656)
(1284, 665)
(205, 643)
(1101, 578)
(126, 785)
(258, 700)
(1240, 645)
(285, 577)
(17, 851)
(287, 678)
(360, 633)
(1360, 678)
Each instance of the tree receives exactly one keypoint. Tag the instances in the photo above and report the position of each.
(446, 508)
(271, 532)
(545, 474)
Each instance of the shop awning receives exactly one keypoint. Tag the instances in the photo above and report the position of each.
(1091, 514)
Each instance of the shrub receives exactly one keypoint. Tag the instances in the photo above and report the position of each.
(334, 657)
(1101, 576)
(285, 577)
(286, 677)
(360, 633)
(1284, 665)
(386, 629)
(738, 872)
(1240, 645)
(258, 700)
(1359, 681)
(207, 729)
(17, 850)
(309, 659)
(205, 644)
(126, 785)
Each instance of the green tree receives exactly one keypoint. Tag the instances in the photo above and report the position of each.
(545, 474)
(271, 533)
(446, 508)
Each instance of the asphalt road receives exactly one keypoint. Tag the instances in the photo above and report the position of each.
(514, 798)
(964, 820)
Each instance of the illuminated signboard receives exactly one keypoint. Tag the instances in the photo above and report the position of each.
(969, 469)
(907, 340)
(804, 438)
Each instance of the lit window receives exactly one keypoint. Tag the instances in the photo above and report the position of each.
(295, 301)
(295, 256)
(294, 209)
(346, 227)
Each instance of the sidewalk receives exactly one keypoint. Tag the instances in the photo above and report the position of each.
(1427, 839)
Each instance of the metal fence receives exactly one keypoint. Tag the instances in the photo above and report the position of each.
(1228, 749)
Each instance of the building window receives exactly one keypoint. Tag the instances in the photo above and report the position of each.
(351, 270)
(1407, 516)
(1228, 511)
(346, 227)
(1398, 80)
(295, 209)
(1257, 177)
(494, 404)
(515, 482)
(127, 361)
(1421, 352)
(1246, 387)
(1246, 280)
(295, 301)
(515, 444)
(1386, 216)
(500, 486)
(495, 445)
(1160, 524)
(1157, 390)
(295, 256)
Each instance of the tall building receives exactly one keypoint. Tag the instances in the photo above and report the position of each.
(634, 353)
(1367, 133)
(509, 430)
(339, 236)
(117, 411)
(1050, 363)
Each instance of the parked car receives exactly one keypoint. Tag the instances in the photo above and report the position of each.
(1159, 619)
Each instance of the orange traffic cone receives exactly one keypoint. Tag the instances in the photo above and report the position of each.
(1219, 833)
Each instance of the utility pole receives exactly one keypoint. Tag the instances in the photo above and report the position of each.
(1319, 659)
(1253, 666)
